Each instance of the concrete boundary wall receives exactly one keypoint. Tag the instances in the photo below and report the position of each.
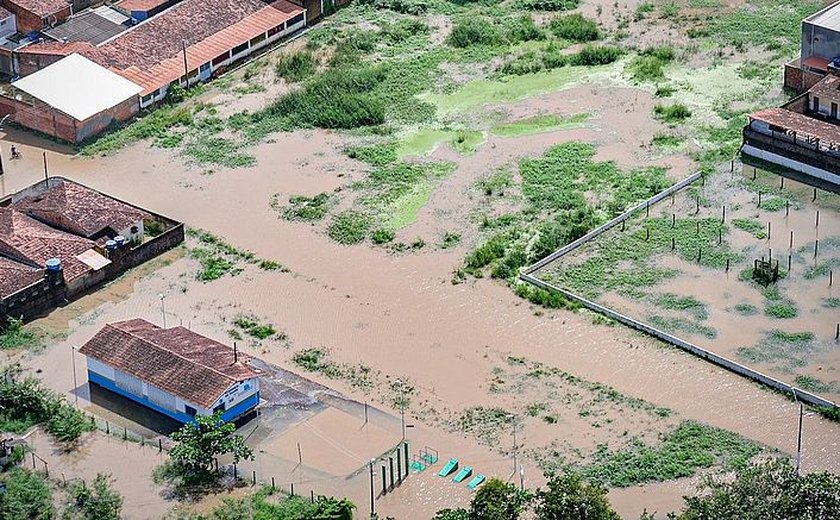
(611, 224)
(723, 362)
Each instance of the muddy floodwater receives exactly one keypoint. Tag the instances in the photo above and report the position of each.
(396, 316)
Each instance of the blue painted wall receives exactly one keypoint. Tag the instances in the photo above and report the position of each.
(237, 411)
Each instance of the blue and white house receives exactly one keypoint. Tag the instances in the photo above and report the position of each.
(173, 371)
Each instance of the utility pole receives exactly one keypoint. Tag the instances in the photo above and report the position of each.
(515, 461)
(402, 408)
(186, 67)
(163, 308)
(372, 497)
(73, 364)
(799, 439)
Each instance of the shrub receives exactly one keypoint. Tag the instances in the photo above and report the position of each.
(649, 65)
(382, 236)
(592, 55)
(675, 113)
(404, 29)
(523, 29)
(308, 209)
(474, 31)
(575, 27)
(295, 67)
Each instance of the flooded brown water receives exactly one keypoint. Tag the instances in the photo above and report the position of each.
(398, 313)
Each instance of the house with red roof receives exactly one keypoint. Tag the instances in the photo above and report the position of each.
(173, 371)
(36, 15)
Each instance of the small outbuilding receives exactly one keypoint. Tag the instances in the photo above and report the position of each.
(173, 371)
(72, 99)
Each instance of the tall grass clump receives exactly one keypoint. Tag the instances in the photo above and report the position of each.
(649, 65)
(575, 27)
(338, 98)
(548, 5)
(676, 113)
(295, 66)
(474, 31)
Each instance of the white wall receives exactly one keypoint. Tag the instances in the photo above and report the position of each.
(8, 26)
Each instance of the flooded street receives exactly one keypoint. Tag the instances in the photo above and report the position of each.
(398, 314)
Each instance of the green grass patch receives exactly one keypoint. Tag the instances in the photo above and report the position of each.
(750, 225)
(206, 149)
(376, 155)
(153, 123)
(251, 326)
(671, 114)
(547, 5)
(831, 303)
(746, 309)
(539, 124)
(683, 451)
(349, 227)
(783, 310)
(787, 349)
(450, 240)
(295, 66)
(822, 269)
(649, 65)
(816, 385)
(667, 140)
(318, 360)
(496, 183)
(18, 337)
(218, 258)
(677, 325)
(676, 302)
(303, 208)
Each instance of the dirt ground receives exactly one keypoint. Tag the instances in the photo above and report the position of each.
(399, 315)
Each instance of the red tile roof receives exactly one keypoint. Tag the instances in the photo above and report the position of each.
(80, 210)
(140, 5)
(827, 89)
(151, 53)
(24, 238)
(55, 48)
(15, 276)
(799, 123)
(176, 360)
(41, 7)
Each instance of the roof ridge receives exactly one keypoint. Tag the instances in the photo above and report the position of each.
(159, 347)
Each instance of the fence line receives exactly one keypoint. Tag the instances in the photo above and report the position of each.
(612, 223)
(721, 361)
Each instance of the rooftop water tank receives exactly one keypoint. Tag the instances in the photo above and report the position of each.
(110, 245)
(120, 240)
(53, 264)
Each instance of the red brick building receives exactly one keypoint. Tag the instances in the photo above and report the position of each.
(34, 15)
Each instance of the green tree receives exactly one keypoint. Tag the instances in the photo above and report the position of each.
(452, 514)
(28, 497)
(768, 490)
(496, 500)
(568, 497)
(199, 443)
(97, 501)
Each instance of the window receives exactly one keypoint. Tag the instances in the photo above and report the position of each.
(147, 98)
(135, 230)
(221, 58)
(246, 387)
(295, 20)
(834, 110)
(239, 48)
(274, 30)
(816, 104)
(192, 412)
(257, 39)
(205, 67)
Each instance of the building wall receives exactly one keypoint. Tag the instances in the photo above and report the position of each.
(224, 60)
(27, 63)
(34, 301)
(8, 26)
(819, 41)
(27, 21)
(164, 402)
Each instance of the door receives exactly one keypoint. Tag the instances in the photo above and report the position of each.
(204, 72)
(834, 110)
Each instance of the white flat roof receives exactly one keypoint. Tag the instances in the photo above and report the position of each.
(828, 17)
(78, 87)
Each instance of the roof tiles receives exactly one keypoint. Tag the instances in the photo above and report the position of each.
(176, 360)
(80, 210)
